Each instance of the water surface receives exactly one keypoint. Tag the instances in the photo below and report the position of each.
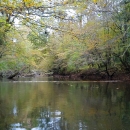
(33, 104)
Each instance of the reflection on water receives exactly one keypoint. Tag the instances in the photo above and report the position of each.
(64, 105)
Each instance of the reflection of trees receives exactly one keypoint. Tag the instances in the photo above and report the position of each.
(5, 116)
(66, 106)
(102, 103)
(126, 109)
(32, 103)
(44, 118)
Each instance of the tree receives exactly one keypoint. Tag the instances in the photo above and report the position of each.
(16, 51)
(69, 36)
(122, 29)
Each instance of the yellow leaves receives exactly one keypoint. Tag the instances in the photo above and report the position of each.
(95, 1)
(101, 3)
(16, 4)
(32, 3)
(46, 63)
(62, 55)
(70, 2)
(8, 3)
(29, 3)
(65, 2)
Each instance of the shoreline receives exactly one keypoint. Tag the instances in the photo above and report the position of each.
(93, 77)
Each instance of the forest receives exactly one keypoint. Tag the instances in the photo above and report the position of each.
(72, 38)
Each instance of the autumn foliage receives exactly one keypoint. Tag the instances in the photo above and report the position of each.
(66, 37)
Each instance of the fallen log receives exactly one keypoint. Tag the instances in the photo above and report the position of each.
(16, 73)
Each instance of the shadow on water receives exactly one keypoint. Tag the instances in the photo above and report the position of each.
(64, 105)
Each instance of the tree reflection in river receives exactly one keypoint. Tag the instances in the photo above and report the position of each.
(64, 106)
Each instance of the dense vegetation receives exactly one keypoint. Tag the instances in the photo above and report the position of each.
(65, 37)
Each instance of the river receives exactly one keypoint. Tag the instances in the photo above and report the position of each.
(45, 104)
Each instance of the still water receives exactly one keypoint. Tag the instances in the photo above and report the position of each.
(64, 105)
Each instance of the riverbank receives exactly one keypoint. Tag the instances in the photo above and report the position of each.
(98, 77)
(88, 75)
